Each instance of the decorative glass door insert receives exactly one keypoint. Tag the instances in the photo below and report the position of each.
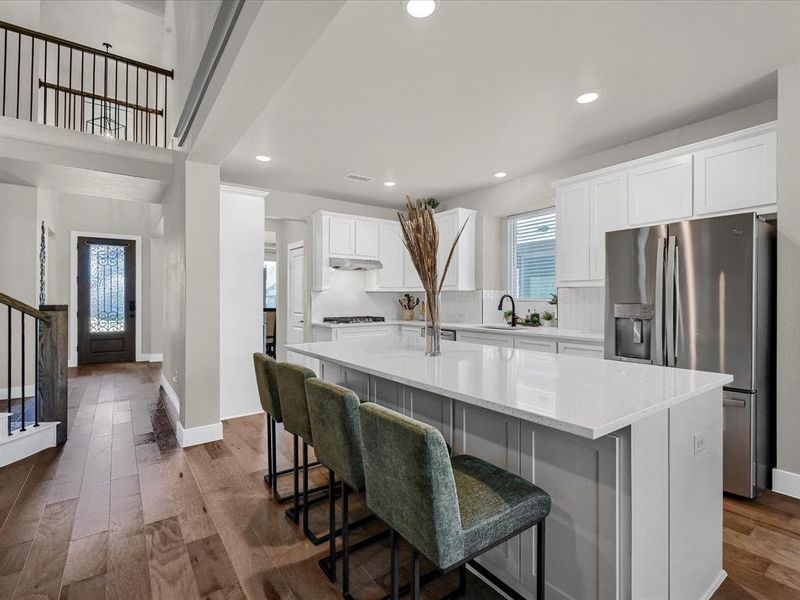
(106, 288)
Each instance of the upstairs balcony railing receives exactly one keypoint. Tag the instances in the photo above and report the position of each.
(56, 82)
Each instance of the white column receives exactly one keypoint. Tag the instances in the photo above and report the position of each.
(242, 293)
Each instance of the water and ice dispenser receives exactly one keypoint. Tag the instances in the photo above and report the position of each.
(633, 328)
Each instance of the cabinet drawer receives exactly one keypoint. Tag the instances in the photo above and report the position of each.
(577, 349)
(500, 341)
(537, 345)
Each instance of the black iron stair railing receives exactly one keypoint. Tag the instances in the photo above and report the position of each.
(86, 89)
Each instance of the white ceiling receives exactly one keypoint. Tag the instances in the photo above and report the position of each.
(440, 104)
(83, 182)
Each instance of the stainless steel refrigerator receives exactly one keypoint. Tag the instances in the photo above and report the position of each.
(700, 295)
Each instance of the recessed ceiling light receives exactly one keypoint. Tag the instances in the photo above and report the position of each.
(500, 174)
(587, 97)
(262, 158)
(420, 8)
(389, 183)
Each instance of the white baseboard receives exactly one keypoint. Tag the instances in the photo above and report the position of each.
(173, 404)
(30, 390)
(199, 435)
(156, 358)
(193, 435)
(786, 482)
(715, 586)
(72, 363)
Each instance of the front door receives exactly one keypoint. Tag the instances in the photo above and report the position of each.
(106, 300)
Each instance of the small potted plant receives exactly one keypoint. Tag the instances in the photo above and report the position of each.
(507, 315)
(547, 319)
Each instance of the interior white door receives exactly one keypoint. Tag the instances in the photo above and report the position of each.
(296, 295)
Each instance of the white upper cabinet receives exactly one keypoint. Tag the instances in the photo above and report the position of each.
(350, 236)
(733, 173)
(367, 236)
(660, 191)
(341, 236)
(608, 211)
(391, 253)
(572, 233)
(738, 175)
(461, 273)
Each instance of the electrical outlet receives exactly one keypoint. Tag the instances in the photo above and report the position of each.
(699, 442)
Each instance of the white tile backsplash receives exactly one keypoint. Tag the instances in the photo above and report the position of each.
(581, 308)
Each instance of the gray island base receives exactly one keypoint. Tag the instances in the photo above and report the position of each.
(630, 454)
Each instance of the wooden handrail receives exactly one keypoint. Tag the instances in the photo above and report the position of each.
(101, 98)
(24, 308)
(61, 41)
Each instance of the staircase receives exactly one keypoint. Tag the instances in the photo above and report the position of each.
(35, 406)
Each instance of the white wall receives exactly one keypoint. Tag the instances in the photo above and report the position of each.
(19, 262)
(91, 214)
(241, 305)
(788, 388)
(156, 299)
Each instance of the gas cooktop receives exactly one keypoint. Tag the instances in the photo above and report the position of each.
(340, 320)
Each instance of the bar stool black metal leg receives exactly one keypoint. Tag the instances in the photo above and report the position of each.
(270, 470)
(462, 580)
(331, 525)
(415, 575)
(345, 540)
(296, 516)
(306, 530)
(395, 546)
(540, 560)
(273, 450)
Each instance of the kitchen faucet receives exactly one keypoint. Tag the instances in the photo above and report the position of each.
(513, 308)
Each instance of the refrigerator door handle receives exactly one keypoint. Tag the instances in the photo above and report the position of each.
(670, 299)
(659, 305)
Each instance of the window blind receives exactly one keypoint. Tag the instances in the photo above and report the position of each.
(532, 254)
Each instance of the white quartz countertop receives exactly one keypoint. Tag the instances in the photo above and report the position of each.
(547, 332)
(588, 397)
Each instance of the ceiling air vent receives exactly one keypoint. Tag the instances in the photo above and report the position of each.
(358, 178)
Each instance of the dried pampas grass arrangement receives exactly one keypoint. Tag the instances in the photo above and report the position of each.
(421, 239)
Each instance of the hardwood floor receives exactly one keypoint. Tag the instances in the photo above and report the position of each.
(120, 511)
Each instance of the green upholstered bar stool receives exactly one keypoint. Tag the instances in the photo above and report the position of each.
(266, 369)
(337, 442)
(449, 509)
(294, 408)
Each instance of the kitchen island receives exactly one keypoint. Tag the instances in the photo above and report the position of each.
(631, 455)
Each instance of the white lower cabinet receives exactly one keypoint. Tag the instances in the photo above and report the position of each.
(501, 341)
(413, 331)
(536, 345)
(576, 349)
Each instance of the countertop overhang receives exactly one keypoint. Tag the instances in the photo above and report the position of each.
(588, 397)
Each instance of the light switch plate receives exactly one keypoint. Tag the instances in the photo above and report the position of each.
(699, 442)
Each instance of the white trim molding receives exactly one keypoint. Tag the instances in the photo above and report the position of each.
(193, 435)
(199, 435)
(30, 390)
(247, 414)
(156, 358)
(173, 404)
(73, 291)
(786, 482)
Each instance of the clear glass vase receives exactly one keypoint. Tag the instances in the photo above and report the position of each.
(433, 327)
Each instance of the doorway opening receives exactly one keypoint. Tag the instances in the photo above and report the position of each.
(106, 300)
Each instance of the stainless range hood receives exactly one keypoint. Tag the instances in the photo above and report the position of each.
(355, 264)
